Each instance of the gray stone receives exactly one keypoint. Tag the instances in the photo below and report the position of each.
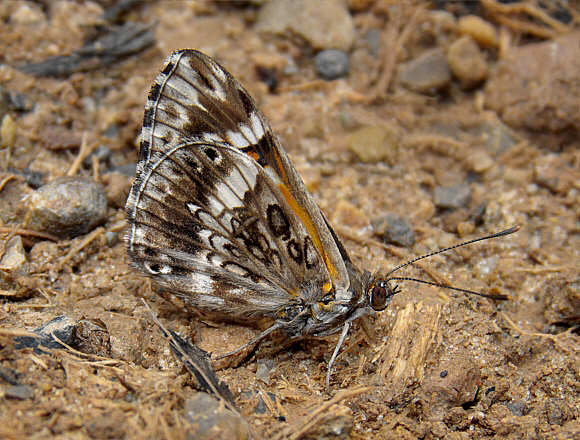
(210, 420)
(331, 64)
(496, 137)
(20, 392)
(63, 327)
(112, 238)
(427, 74)
(453, 197)
(517, 408)
(263, 373)
(394, 229)
(67, 207)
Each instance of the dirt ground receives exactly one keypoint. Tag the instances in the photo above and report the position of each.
(435, 363)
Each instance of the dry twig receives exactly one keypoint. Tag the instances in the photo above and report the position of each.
(527, 13)
(85, 242)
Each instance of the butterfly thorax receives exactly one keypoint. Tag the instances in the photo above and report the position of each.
(328, 315)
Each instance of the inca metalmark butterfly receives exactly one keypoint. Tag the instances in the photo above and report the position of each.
(219, 216)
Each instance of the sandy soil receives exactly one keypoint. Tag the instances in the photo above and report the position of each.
(435, 364)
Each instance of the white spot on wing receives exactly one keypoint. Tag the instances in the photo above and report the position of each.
(186, 89)
(210, 299)
(237, 139)
(201, 283)
(257, 126)
(238, 270)
(237, 183)
(227, 196)
(208, 221)
(211, 138)
(272, 175)
(248, 169)
(248, 133)
(193, 208)
(218, 72)
(139, 235)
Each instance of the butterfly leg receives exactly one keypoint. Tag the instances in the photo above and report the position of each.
(252, 342)
(345, 330)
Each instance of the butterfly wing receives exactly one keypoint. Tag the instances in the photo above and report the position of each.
(196, 105)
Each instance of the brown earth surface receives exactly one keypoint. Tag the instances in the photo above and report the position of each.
(435, 363)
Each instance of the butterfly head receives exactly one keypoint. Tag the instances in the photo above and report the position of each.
(380, 293)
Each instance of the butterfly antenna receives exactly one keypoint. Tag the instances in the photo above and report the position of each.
(465, 243)
(475, 240)
(498, 296)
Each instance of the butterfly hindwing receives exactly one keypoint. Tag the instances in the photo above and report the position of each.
(200, 210)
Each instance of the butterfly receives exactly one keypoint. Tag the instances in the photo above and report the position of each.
(219, 216)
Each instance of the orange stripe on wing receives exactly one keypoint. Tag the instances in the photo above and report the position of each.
(312, 231)
(254, 155)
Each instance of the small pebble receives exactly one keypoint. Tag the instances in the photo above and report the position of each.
(465, 228)
(112, 238)
(303, 19)
(9, 375)
(20, 392)
(210, 420)
(261, 407)
(467, 62)
(480, 162)
(14, 259)
(452, 197)
(394, 229)
(67, 207)
(20, 102)
(517, 408)
(331, 64)
(263, 373)
(112, 131)
(553, 172)
(495, 136)
(128, 169)
(374, 143)
(535, 86)
(480, 30)
(428, 73)
(347, 121)
(373, 39)
(7, 132)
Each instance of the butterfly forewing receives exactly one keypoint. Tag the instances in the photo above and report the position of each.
(218, 213)
(194, 98)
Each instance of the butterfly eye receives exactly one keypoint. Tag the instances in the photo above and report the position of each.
(379, 296)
